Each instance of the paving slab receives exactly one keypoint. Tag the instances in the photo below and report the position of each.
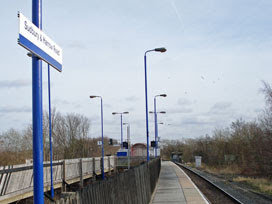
(174, 186)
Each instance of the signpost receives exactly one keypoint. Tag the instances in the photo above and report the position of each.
(128, 139)
(33, 39)
(42, 47)
(50, 135)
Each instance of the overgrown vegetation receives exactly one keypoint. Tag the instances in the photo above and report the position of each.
(70, 133)
(259, 184)
(243, 146)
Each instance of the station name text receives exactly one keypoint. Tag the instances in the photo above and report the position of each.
(41, 38)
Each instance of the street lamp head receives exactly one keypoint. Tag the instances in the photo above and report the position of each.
(151, 112)
(93, 96)
(29, 54)
(126, 112)
(161, 123)
(114, 113)
(163, 95)
(161, 49)
(163, 112)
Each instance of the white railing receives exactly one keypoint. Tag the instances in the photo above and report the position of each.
(16, 182)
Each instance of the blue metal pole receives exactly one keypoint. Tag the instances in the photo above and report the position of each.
(157, 131)
(102, 139)
(37, 112)
(146, 112)
(157, 138)
(121, 131)
(50, 134)
(155, 123)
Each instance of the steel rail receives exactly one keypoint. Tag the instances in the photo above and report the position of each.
(211, 183)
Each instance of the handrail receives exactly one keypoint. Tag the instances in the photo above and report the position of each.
(17, 169)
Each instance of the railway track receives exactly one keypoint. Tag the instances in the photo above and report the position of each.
(213, 192)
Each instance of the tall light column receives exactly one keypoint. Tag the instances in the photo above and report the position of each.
(156, 121)
(158, 138)
(128, 141)
(115, 113)
(162, 49)
(102, 135)
(156, 128)
(50, 135)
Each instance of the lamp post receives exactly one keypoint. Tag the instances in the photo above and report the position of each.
(158, 138)
(162, 49)
(102, 169)
(121, 114)
(156, 128)
(128, 133)
(50, 135)
(128, 141)
(156, 121)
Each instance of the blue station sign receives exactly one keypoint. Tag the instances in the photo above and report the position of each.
(38, 43)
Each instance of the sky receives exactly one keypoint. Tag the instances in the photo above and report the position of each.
(218, 53)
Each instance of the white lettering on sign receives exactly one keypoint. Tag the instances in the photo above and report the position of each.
(33, 34)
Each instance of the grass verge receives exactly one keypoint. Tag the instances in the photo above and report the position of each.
(223, 170)
(262, 185)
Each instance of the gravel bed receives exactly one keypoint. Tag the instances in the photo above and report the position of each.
(237, 190)
(212, 194)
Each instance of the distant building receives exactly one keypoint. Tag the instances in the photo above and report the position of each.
(176, 156)
(29, 161)
(138, 150)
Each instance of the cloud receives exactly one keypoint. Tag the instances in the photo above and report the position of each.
(95, 118)
(131, 109)
(9, 109)
(195, 120)
(61, 102)
(132, 98)
(179, 110)
(258, 110)
(176, 11)
(77, 105)
(184, 102)
(139, 122)
(107, 105)
(14, 83)
(76, 44)
(220, 107)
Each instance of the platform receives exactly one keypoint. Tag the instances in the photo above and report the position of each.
(174, 186)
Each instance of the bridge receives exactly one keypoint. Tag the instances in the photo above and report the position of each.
(152, 182)
(16, 182)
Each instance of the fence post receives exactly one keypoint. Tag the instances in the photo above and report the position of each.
(109, 165)
(115, 163)
(101, 165)
(81, 173)
(94, 174)
(63, 176)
